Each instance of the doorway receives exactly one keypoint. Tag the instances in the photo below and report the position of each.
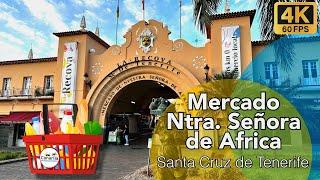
(131, 108)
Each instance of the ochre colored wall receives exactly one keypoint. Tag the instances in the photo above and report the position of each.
(256, 50)
(84, 44)
(16, 72)
(180, 52)
(215, 48)
(39, 70)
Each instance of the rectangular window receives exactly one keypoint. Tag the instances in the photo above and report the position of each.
(48, 85)
(313, 67)
(305, 69)
(310, 72)
(26, 88)
(6, 86)
(271, 70)
(48, 82)
(267, 71)
(310, 69)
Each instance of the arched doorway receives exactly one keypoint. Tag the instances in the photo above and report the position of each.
(103, 98)
(103, 94)
(131, 108)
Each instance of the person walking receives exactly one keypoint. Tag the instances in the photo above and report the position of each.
(126, 135)
(118, 135)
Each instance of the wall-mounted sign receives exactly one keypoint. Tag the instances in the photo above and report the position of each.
(155, 61)
(231, 57)
(69, 73)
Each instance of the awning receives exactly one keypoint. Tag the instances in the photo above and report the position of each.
(6, 113)
(18, 117)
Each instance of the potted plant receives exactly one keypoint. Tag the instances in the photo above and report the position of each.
(49, 92)
(38, 92)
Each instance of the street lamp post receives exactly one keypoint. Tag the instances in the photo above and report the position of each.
(87, 81)
(206, 71)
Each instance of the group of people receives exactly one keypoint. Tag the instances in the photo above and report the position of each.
(122, 134)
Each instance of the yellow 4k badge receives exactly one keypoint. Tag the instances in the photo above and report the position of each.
(295, 18)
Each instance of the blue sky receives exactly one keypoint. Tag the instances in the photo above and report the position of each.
(24, 22)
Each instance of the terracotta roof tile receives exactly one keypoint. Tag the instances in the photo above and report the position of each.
(79, 32)
(250, 13)
(25, 61)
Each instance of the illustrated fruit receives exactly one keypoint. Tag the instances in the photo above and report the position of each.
(29, 129)
(82, 116)
(93, 128)
(54, 122)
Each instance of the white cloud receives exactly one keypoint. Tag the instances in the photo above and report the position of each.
(74, 25)
(53, 47)
(90, 17)
(89, 3)
(30, 35)
(109, 10)
(108, 40)
(187, 13)
(21, 27)
(7, 7)
(241, 5)
(134, 7)
(127, 25)
(47, 13)
(10, 52)
(11, 38)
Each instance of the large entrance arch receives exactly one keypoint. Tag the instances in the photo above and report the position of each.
(104, 94)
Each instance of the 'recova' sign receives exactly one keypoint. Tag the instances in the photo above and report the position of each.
(69, 72)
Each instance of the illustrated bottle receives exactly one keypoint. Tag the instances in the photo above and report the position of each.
(67, 118)
(37, 126)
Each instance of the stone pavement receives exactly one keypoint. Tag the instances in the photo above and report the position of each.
(114, 163)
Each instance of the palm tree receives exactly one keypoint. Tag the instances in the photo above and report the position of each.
(204, 9)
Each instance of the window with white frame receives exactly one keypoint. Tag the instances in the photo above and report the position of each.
(26, 89)
(48, 85)
(271, 70)
(310, 72)
(6, 86)
(310, 69)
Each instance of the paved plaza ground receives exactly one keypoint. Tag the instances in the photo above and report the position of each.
(114, 163)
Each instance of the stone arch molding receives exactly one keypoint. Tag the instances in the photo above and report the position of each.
(104, 93)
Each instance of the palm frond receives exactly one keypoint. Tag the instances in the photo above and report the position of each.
(284, 52)
(283, 48)
(202, 12)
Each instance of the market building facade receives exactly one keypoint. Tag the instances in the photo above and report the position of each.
(122, 79)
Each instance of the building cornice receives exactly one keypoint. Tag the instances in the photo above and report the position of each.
(250, 13)
(81, 32)
(297, 39)
(26, 61)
